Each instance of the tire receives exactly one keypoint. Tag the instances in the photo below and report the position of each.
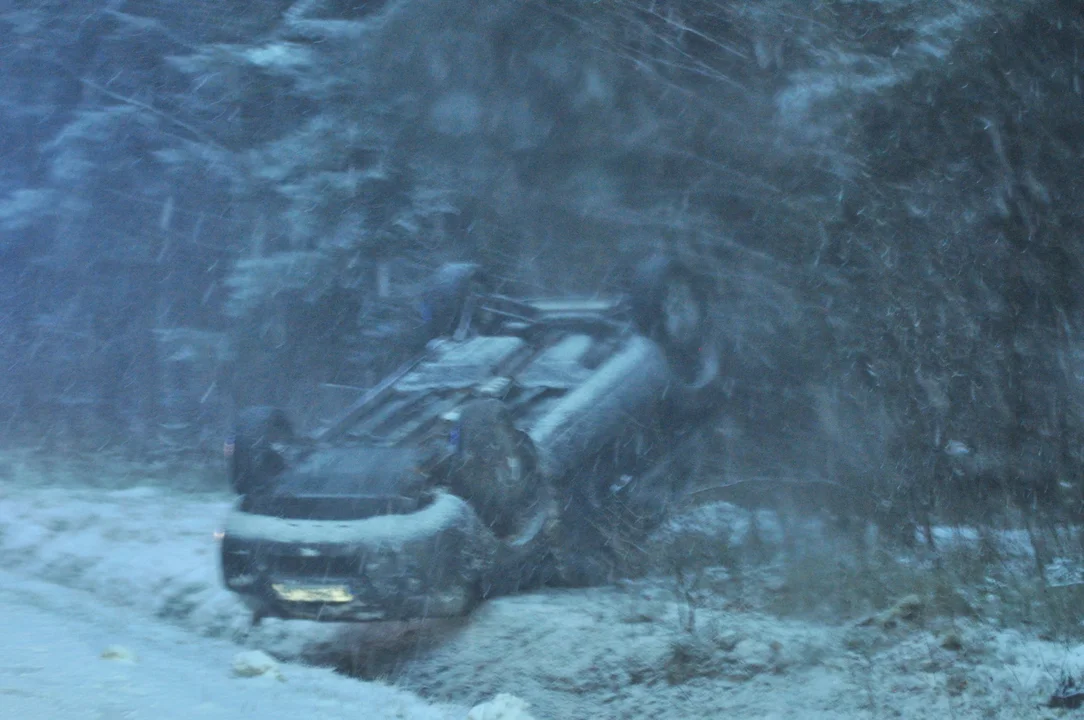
(254, 460)
(496, 473)
(671, 305)
(448, 302)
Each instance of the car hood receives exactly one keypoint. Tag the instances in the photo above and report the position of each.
(343, 484)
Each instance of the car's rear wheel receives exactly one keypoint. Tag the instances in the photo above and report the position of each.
(449, 304)
(253, 453)
(671, 305)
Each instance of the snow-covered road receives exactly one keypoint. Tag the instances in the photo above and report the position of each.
(66, 654)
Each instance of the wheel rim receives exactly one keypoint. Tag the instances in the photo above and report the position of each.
(511, 471)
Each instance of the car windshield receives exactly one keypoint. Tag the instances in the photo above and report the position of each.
(543, 359)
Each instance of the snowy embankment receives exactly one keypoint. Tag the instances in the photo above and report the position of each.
(144, 548)
(137, 566)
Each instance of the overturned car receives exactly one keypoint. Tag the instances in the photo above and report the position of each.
(532, 442)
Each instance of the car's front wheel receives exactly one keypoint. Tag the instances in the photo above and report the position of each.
(496, 473)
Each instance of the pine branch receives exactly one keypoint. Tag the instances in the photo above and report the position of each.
(187, 127)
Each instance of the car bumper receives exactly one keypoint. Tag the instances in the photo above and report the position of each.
(390, 567)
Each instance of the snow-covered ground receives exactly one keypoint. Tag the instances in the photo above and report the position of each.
(86, 566)
(67, 654)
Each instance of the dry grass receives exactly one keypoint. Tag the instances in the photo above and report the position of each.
(813, 571)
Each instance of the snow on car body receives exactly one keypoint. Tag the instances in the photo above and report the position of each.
(512, 452)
